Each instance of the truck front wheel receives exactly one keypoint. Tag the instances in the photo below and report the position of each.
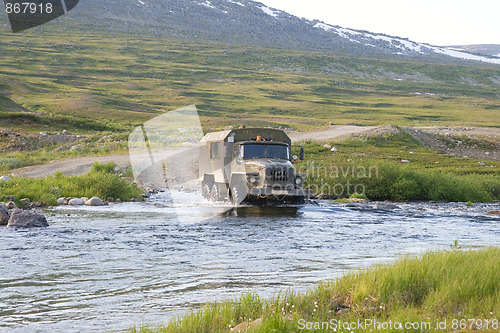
(238, 194)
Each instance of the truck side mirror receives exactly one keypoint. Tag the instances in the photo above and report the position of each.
(302, 154)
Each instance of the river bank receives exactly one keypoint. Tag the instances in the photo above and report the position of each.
(444, 291)
(104, 181)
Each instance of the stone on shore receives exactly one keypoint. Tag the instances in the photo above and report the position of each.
(76, 202)
(95, 201)
(26, 219)
(11, 205)
(5, 178)
(25, 201)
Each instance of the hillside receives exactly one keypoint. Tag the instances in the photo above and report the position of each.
(489, 50)
(245, 22)
(108, 67)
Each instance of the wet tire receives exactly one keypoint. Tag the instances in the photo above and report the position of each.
(215, 193)
(238, 194)
(206, 191)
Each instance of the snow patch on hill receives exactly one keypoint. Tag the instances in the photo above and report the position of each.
(236, 2)
(404, 46)
(207, 4)
(269, 11)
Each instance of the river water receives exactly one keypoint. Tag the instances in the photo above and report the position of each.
(113, 267)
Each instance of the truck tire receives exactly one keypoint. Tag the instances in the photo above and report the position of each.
(238, 194)
(215, 194)
(206, 191)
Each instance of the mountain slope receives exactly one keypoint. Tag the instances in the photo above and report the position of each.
(490, 50)
(246, 22)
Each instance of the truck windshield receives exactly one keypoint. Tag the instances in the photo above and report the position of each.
(262, 151)
(276, 151)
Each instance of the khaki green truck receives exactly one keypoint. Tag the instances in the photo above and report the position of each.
(251, 165)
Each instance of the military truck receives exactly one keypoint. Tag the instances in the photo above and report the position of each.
(251, 165)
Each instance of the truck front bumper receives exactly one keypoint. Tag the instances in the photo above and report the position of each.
(279, 192)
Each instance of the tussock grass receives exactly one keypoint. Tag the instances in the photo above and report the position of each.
(101, 181)
(447, 285)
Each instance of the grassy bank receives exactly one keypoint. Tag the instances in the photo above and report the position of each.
(453, 286)
(395, 167)
(101, 181)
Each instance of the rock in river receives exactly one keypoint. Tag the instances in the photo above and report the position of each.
(26, 219)
(386, 206)
(4, 215)
(95, 201)
(493, 212)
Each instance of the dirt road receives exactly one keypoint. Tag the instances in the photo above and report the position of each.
(81, 165)
(71, 166)
(330, 133)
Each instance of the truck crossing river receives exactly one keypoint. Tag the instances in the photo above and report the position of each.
(251, 165)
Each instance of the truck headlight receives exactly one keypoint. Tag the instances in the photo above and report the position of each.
(298, 181)
(252, 179)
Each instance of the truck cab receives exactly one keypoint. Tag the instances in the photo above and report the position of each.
(250, 166)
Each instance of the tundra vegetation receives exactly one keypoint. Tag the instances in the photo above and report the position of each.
(120, 84)
(398, 168)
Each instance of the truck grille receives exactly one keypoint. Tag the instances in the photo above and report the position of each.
(279, 176)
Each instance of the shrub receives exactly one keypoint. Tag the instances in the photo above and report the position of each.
(9, 163)
(402, 183)
(100, 181)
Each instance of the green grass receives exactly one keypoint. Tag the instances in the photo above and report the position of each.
(455, 286)
(101, 181)
(113, 83)
(116, 82)
(373, 166)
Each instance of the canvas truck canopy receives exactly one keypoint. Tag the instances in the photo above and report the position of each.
(251, 134)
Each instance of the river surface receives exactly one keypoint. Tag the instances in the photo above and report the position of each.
(114, 267)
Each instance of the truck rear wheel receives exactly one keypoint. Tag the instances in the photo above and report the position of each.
(215, 194)
(206, 191)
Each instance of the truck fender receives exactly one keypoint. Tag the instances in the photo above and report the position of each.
(208, 179)
(238, 179)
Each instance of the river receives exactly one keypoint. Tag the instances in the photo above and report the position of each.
(113, 267)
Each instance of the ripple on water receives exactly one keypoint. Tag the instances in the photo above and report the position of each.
(125, 264)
